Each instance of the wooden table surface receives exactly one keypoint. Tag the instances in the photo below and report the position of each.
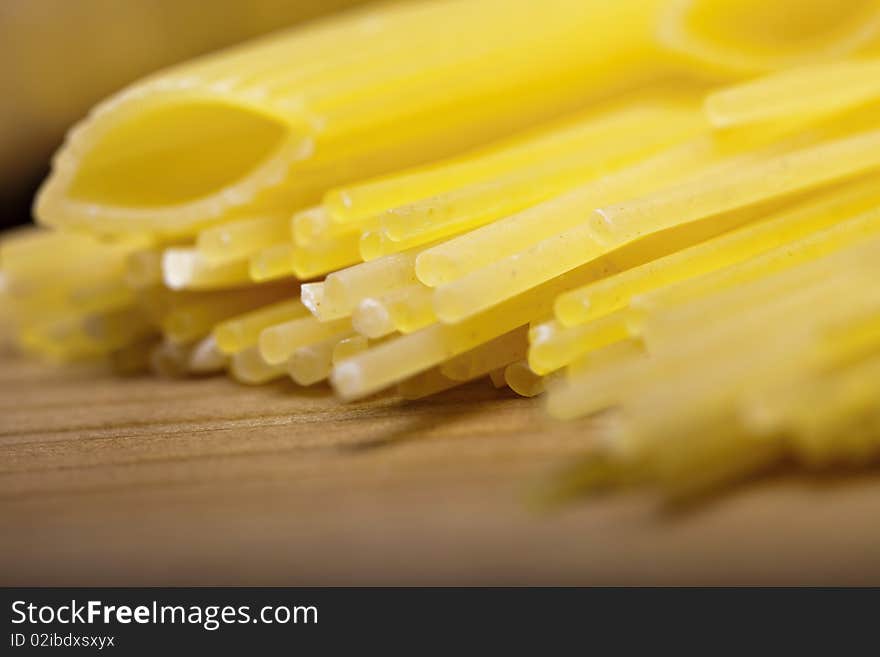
(108, 480)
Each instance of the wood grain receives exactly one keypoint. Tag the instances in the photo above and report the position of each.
(140, 481)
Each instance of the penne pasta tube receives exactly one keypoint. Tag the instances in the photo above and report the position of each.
(753, 37)
(239, 125)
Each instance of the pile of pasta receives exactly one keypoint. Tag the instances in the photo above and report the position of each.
(665, 210)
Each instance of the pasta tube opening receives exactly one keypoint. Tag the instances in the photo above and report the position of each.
(168, 164)
(755, 35)
(185, 151)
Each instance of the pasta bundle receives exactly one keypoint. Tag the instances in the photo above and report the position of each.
(647, 206)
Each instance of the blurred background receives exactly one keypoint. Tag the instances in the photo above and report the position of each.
(62, 56)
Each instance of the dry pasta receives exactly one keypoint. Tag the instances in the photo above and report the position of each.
(664, 210)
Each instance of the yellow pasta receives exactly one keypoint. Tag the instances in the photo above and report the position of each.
(493, 355)
(810, 247)
(344, 289)
(242, 238)
(277, 343)
(353, 205)
(143, 269)
(592, 383)
(554, 346)
(319, 258)
(405, 309)
(666, 210)
(838, 422)
(751, 36)
(554, 256)
(253, 121)
(838, 276)
(196, 316)
(839, 350)
(811, 91)
(666, 436)
(614, 292)
(272, 263)
(348, 347)
(248, 366)
(187, 269)
(207, 358)
(604, 143)
(315, 225)
(312, 363)
(455, 258)
(523, 381)
(726, 190)
(404, 356)
(243, 331)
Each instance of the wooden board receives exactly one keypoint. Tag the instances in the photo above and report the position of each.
(141, 481)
